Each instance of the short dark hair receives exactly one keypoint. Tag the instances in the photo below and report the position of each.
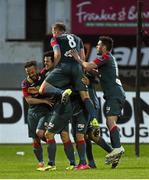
(60, 26)
(30, 63)
(49, 54)
(107, 41)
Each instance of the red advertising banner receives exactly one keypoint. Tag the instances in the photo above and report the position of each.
(116, 17)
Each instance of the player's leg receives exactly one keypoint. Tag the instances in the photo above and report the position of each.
(114, 156)
(95, 137)
(43, 125)
(113, 108)
(63, 115)
(51, 149)
(78, 130)
(89, 153)
(114, 131)
(48, 137)
(53, 84)
(114, 136)
(47, 88)
(51, 144)
(81, 126)
(41, 134)
(38, 152)
(81, 148)
(32, 121)
(90, 108)
(59, 119)
(68, 148)
(78, 74)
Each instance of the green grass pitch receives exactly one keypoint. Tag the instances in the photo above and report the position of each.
(14, 166)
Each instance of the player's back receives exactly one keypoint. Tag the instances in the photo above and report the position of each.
(68, 42)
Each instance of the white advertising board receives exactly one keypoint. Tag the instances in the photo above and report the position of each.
(13, 127)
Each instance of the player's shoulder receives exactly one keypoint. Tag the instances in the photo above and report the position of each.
(71, 34)
(24, 83)
(75, 36)
(43, 71)
(106, 57)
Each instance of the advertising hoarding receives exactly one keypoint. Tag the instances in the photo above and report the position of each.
(107, 16)
(13, 122)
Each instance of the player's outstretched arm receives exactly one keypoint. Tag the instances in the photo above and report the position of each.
(88, 66)
(56, 49)
(33, 101)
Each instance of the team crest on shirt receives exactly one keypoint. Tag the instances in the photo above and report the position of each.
(108, 109)
(46, 125)
(81, 127)
(50, 126)
(68, 53)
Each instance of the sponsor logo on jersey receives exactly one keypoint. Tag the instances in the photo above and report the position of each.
(80, 127)
(50, 126)
(108, 109)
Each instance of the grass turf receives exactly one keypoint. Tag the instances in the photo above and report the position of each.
(14, 166)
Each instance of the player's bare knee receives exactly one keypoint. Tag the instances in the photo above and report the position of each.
(36, 143)
(40, 133)
(111, 120)
(49, 135)
(65, 136)
(79, 137)
(84, 95)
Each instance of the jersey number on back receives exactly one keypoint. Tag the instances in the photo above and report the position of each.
(71, 41)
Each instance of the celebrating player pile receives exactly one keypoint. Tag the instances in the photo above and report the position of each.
(70, 83)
